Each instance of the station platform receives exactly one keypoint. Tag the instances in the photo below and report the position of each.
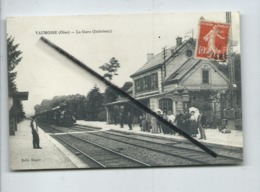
(53, 155)
(214, 136)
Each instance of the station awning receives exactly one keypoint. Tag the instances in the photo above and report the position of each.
(137, 98)
(20, 95)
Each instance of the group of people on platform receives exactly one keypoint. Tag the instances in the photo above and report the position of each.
(188, 122)
(191, 124)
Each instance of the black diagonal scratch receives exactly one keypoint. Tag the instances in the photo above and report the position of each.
(136, 102)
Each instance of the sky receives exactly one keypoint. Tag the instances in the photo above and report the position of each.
(44, 73)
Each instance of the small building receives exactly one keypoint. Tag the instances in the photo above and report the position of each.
(15, 116)
(174, 80)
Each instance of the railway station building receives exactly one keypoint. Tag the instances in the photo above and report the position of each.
(174, 80)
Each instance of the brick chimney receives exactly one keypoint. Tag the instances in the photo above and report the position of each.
(178, 41)
(149, 56)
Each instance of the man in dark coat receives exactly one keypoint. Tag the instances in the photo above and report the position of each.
(203, 120)
(129, 120)
(121, 120)
(36, 139)
(186, 122)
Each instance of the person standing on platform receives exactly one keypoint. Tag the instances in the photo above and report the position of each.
(193, 124)
(159, 124)
(144, 123)
(129, 119)
(165, 128)
(140, 122)
(203, 120)
(200, 125)
(179, 120)
(154, 125)
(115, 114)
(121, 120)
(186, 123)
(171, 119)
(36, 139)
(149, 123)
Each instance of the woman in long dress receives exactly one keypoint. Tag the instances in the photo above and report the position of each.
(154, 125)
(171, 119)
(144, 123)
(179, 120)
(186, 123)
(193, 124)
(159, 124)
(165, 128)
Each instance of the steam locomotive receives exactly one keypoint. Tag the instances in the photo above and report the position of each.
(60, 115)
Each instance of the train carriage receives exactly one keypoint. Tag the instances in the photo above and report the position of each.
(60, 115)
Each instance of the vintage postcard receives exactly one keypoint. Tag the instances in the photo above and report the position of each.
(124, 91)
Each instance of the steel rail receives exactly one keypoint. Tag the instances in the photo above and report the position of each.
(97, 145)
(152, 149)
(164, 152)
(125, 136)
(120, 154)
(86, 155)
(95, 161)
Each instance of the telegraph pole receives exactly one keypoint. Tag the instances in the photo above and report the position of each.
(230, 63)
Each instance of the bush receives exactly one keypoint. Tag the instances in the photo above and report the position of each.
(102, 115)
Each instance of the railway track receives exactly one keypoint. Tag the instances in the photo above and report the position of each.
(190, 146)
(83, 127)
(79, 128)
(100, 156)
(96, 156)
(185, 153)
(103, 139)
(234, 153)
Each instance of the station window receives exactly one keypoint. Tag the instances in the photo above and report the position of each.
(205, 76)
(146, 83)
(165, 104)
(137, 85)
(154, 81)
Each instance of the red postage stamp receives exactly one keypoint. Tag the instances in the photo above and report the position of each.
(212, 42)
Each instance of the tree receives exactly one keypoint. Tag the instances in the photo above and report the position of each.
(110, 68)
(110, 95)
(20, 111)
(223, 68)
(202, 99)
(76, 103)
(13, 59)
(127, 85)
(94, 104)
(201, 104)
(37, 109)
